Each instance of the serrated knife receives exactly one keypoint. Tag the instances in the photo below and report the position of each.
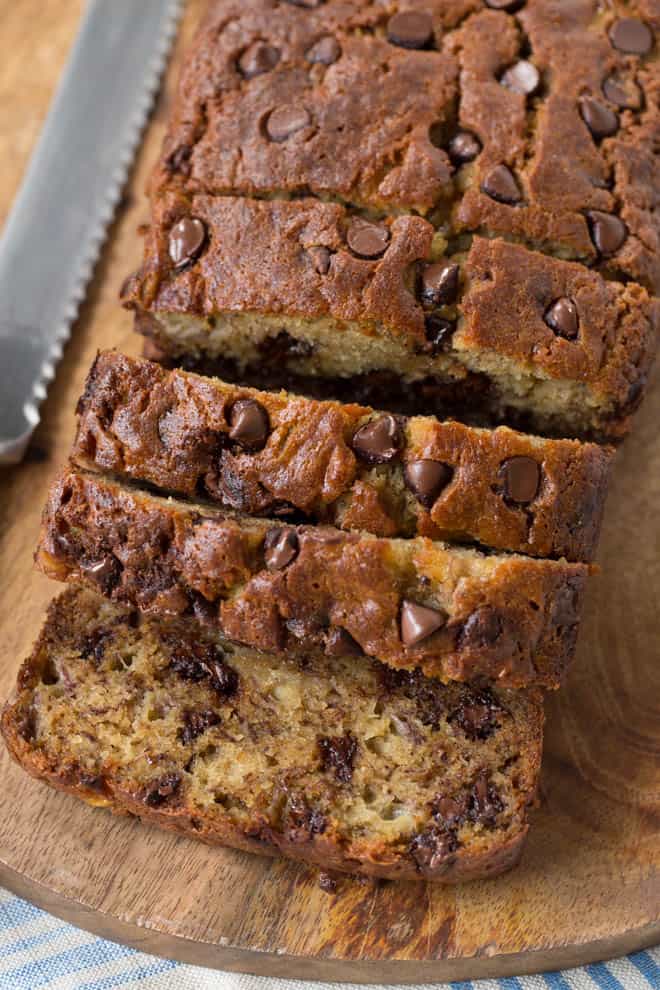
(71, 188)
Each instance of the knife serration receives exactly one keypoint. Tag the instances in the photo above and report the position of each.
(68, 197)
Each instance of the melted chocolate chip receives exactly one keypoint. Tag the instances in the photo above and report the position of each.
(477, 713)
(464, 147)
(282, 347)
(520, 477)
(508, 5)
(432, 850)
(451, 812)
(196, 661)
(410, 29)
(485, 801)
(257, 59)
(481, 629)
(622, 92)
(280, 548)
(327, 882)
(196, 723)
(419, 622)
(159, 791)
(248, 424)
(338, 754)
(302, 822)
(320, 258)
(501, 185)
(562, 317)
(367, 239)
(523, 78)
(222, 677)
(179, 161)
(92, 647)
(601, 120)
(325, 51)
(379, 441)
(608, 232)
(631, 35)
(439, 283)
(427, 693)
(340, 643)
(438, 332)
(105, 573)
(309, 4)
(285, 121)
(186, 241)
(426, 479)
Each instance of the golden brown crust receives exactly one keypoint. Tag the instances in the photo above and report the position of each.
(45, 747)
(170, 429)
(508, 618)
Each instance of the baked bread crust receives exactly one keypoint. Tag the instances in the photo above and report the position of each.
(457, 614)
(171, 429)
(84, 652)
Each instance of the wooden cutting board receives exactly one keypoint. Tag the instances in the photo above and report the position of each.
(588, 887)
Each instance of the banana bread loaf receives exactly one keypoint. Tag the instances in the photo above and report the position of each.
(352, 767)
(276, 454)
(455, 613)
(334, 179)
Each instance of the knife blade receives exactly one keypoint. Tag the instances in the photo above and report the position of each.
(73, 183)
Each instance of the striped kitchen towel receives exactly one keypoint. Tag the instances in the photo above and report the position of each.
(38, 951)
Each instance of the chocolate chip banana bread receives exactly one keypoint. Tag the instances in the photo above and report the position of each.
(281, 455)
(334, 180)
(352, 767)
(455, 613)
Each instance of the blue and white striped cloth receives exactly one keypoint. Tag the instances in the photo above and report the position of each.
(38, 951)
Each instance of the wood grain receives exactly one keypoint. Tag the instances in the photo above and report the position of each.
(589, 884)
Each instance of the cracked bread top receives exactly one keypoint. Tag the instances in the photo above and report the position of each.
(458, 614)
(265, 453)
(554, 106)
(348, 766)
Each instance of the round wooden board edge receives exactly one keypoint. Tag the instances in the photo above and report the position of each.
(238, 960)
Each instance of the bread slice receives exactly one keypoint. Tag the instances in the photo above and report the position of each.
(348, 766)
(256, 304)
(455, 613)
(342, 464)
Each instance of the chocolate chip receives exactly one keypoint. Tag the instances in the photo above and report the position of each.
(410, 29)
(418, 622)
(520, 477)
(508, 5)
(367, 239)
(477, 713)
(257, 59)
(432, 849)
(523, 78)
(631, 35)
(186, 240)
(622, 92)
(280, 547)
(196, 723)
(222, 678)
(302, 822)
(320, 258)
(500, 184)
(608, 232)
(338, 754)
(105, 572)
(562, 317)
(379, 440)
(282, 347)
(158, 791)
(601, 120)
(248, 424)
(464, 147)
(197, 661)
(438, 332)
(439, 283)
(93, 645)
(340, 643)
(485, 801)
(309, 4)
(426, 479)
(327, 882)
(481, 629)
(325, 51)
(451, 812)
(285, 121)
